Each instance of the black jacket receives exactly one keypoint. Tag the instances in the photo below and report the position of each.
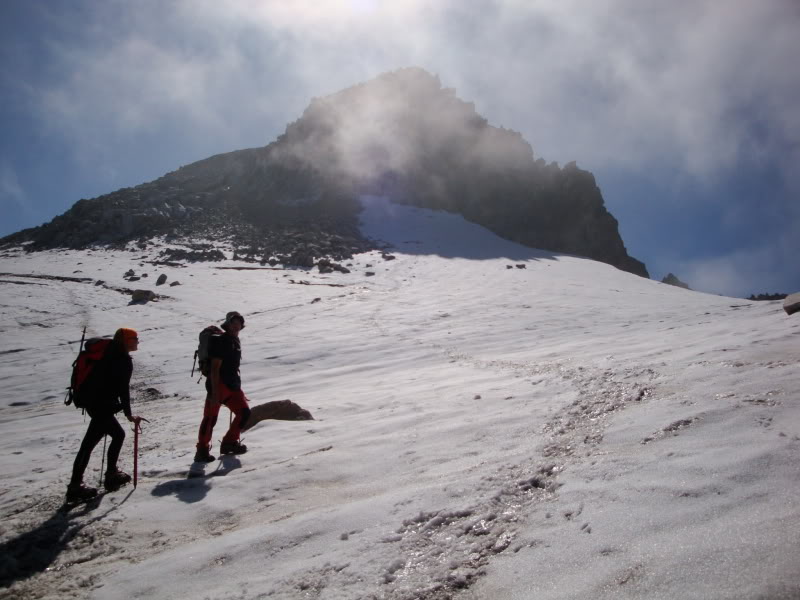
(108, 385)
(229, 350)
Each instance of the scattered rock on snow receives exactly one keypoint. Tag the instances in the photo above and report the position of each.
(282, 410)
(148, 394)
(142, 296)
(792, 303)
(162, 279)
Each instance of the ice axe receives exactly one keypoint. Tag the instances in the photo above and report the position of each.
(137, 428)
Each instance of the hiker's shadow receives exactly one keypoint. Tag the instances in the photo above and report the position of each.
(36, 550)
(195, 486)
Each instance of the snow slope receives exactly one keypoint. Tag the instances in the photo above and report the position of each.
(556, 429)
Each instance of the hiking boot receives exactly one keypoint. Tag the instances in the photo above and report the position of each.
(115, 480)
(232, 448)
(77, 492)
(204, 456)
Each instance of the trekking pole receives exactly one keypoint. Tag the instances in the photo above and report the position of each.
(136, 429)
(103, 460)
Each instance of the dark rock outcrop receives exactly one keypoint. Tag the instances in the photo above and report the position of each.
(671, 279)
(767, 297)
(198, 253)
(401, 135)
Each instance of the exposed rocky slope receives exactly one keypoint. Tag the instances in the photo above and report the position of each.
(673, 279)
(401, 134)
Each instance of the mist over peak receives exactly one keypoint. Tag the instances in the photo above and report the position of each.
(397, 123)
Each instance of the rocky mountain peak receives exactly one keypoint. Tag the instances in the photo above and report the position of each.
(401, 134)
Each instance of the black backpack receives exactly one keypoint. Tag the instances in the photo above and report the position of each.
(201, 354)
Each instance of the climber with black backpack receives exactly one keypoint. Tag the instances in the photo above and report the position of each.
(219, 353)
(100, 386)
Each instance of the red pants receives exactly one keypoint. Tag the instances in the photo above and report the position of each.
(236, 402)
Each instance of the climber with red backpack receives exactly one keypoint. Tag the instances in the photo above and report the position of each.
(220, 354)
(101, 387)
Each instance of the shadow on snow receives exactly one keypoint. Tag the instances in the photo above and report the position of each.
(195, 486)
(412, 230)
(36, 550)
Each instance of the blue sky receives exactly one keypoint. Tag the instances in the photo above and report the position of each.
(687, 112)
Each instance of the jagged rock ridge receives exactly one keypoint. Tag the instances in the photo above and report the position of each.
(672, 279)
(401, 134)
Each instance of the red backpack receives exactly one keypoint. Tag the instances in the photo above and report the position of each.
(92, 352)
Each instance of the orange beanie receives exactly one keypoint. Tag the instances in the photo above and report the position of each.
(127, 333)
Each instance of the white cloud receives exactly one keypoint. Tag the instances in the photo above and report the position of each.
(621, 83)
(11, 193)
(617, 83)
(760, 269)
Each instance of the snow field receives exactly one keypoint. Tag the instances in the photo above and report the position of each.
(563, 430)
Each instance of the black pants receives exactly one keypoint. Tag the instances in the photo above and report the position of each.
(100, 425)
